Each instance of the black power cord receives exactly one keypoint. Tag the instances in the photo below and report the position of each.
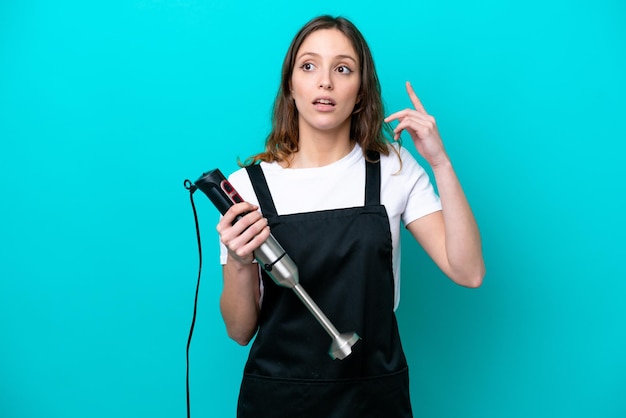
(189, 186)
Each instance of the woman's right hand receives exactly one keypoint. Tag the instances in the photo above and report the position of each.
(246, 235)
(240, 302)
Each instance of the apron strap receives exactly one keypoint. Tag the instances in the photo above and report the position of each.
(372, 179)
(259, 184)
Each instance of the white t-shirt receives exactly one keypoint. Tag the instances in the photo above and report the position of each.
(407, 194)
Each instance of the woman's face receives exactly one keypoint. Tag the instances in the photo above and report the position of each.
(325, 82)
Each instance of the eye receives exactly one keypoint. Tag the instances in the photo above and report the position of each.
(343, 69)
(307, 66)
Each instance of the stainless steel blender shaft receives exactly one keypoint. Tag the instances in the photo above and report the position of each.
(284, 272)
(341, 346)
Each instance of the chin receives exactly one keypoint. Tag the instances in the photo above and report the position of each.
(328, 125)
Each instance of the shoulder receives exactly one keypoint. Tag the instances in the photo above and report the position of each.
(400, 163)
(238, 177)
(241, 182)
(405, 181)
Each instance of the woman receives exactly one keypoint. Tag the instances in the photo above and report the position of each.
(334, 190)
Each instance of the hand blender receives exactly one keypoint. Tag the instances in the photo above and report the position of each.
(275, 261)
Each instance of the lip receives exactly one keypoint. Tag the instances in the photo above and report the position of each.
(324, 103)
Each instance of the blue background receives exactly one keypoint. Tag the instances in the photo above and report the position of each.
(106, 107)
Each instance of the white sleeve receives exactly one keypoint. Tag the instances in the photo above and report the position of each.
(421, 197)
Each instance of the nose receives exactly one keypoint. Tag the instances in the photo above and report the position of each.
(325, 82)
(326, 86)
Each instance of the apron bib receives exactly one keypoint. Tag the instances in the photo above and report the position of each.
(344, 257)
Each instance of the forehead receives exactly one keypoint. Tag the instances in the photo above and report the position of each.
(327, 43)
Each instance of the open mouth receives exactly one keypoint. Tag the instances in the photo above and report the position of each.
(324, 102)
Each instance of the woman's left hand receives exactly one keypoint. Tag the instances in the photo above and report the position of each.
(422, 128)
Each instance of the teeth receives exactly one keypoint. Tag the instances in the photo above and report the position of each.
(323, 101)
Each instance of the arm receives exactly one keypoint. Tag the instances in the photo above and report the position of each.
(240, 299)
(450, 237)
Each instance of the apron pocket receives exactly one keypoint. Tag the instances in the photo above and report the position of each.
(384, 396)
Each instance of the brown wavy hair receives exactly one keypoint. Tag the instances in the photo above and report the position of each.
(367, 126)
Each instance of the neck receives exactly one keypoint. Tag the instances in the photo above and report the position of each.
(317, 149)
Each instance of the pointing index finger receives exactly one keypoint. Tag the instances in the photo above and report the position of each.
(414, 99)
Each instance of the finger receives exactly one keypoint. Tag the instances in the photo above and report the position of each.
(238, 209)
(249, 225)
(244, 241)
(414, 126)
(399, 115)
(408, 113)
(414, 99)
(250, 234)
(245, 254)
(395, 116)
(236, 220)
(418, 118)
(404, 125)
(257, 240)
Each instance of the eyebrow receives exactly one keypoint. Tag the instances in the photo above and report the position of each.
(343, 56)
